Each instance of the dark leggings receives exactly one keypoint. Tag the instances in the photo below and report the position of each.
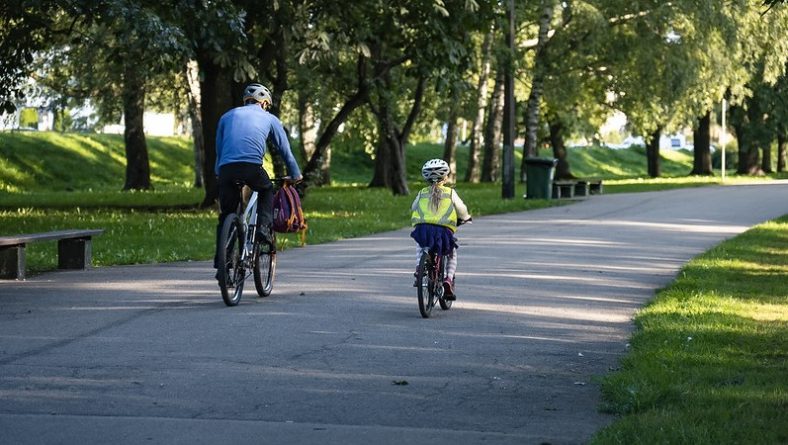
(257, 179)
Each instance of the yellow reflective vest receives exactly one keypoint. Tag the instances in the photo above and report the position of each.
(445, 216)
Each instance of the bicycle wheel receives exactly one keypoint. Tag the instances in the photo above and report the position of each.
(231, 274)
(426, 284)
(445, 304)
(265, 267)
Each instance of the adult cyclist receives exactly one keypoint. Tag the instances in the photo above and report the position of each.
(241, 139)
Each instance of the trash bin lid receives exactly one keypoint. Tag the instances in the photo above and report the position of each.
(550, 162)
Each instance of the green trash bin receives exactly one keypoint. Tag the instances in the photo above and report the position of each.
(539, 174)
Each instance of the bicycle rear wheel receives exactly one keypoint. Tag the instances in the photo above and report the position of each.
(265, 267)
(231, 273)
(425, 288)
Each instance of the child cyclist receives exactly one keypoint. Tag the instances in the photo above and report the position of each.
(437, 210)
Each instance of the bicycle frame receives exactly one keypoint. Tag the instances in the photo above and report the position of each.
(249, 221)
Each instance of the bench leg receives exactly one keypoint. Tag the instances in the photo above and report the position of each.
(12, 263)
(74, 253)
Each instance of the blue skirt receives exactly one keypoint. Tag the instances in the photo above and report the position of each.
(437, 238)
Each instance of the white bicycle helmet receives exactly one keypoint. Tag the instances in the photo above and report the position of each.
(258, 93)
(434, 170)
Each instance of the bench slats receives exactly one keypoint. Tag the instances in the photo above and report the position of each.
(74, 249)
(15, 240)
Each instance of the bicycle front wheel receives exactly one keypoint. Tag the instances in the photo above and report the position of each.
(231, 271)
(425, 285)
(265, 267)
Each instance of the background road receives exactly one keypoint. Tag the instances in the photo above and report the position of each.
(339, 354)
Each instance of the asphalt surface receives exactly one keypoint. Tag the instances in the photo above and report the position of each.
(339, 354)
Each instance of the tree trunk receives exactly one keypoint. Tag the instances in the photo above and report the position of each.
(314, 168)
(652, 154)
(782, 140)
(537, 86)
(308, 128)
(492, 133)
(137, 164)
(562, 170)
(216, 99)
(766, 161)
(450, 145)
(701, 139)
(193, 99)
(390, 156)
(473, 173)
(748, 152)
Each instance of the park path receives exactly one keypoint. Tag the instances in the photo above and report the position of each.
(339, 353)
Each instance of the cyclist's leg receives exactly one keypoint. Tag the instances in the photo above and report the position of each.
(257, 179)
(419, 251)
(228, 198)
(451, 264)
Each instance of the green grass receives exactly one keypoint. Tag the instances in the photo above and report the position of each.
(709, 359)
(49, 161)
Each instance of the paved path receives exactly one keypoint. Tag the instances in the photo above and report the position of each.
(339, 353)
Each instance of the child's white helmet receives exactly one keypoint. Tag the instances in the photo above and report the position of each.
(434, 170)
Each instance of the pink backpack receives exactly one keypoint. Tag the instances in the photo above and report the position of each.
(288, 215)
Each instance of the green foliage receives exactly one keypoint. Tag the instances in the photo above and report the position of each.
(28, 118)
(707, 364)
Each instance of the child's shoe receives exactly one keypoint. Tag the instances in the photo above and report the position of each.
(448, 289)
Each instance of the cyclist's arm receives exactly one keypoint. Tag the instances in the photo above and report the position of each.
(460, 207)
(219, 143)
(279, 139)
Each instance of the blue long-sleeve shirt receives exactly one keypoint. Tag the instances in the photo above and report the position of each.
(242, 135)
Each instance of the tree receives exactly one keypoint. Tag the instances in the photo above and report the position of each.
(492, 132)
(31, 26)
(473, 174)
(537, 83)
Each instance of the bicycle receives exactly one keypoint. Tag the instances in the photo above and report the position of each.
(429, 278)
(242, 251)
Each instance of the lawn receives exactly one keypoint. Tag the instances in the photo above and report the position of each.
(709, 360)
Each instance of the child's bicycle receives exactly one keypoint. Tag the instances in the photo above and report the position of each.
(429, 281)
(242, 252)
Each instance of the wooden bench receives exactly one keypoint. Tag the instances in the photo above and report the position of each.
(73, 250)
(564, 189)
(594, 186)
(585, 187)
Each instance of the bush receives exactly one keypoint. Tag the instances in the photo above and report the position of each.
(731, 158)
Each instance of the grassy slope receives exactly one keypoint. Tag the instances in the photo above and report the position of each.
(709, 360)
(48, 161)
